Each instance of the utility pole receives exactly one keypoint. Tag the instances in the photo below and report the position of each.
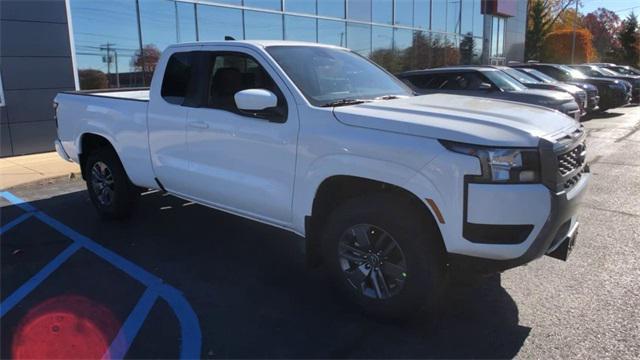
(573, 43)
(115, 58)
(107, 59)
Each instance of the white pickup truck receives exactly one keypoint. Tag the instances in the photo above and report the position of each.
(390, 191)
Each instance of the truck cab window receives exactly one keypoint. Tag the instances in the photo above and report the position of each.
(177, 77)
(234, 72)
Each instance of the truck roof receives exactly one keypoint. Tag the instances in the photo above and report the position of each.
(255, 43)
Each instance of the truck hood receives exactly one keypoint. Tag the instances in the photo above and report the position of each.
(460, 118)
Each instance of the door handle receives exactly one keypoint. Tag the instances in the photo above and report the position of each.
(198, 124)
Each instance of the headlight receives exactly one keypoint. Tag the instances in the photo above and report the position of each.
(502, 165)
(616, 85)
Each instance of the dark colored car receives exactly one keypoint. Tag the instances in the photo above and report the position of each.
(484, 81)
(593, 99)
(532, 83)
(620, 69)
(613, 93)
(601, 72)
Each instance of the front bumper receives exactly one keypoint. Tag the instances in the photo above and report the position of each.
(550, 208)
(558, 228)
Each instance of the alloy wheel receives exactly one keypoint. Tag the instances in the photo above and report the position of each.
(372, 261)
(102, 183)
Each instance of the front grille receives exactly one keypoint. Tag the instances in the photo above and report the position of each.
(571, 160)
(569, 183)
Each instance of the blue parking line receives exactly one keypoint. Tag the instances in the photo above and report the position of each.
(32, 283)
(8, 226)
(191, 335)
(128, 331)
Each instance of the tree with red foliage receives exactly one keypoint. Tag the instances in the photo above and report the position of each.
(558, 45)
(604, 25)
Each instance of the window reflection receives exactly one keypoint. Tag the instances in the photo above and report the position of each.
(262, 26)
(404, 12)
(382, 48)
(439, 19)
(214, 23)
(331, 32)
(421, 13)
(359, 38)
(301, 6)
(331, 8)
(466, 17)
(299, 28)
(453, 16)
(382, 11)
(186, 22)
(478, 18)
(359, 10)
(264, 4)
(106, 40)
(470, 50)
(158, 23)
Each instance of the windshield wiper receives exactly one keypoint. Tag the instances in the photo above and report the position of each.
(387, 97)
(343, 102)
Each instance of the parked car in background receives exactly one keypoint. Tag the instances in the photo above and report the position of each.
(601, 72)
(613, 93)
(593, 99)
(391, 191)
(488, 82)
(579, 95)
(620, 69)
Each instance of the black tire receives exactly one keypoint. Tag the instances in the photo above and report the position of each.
(124, 195)
(419, 240)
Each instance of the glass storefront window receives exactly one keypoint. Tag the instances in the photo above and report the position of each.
(214, 23)
(186, 22)
(158, 23)
(421, 13)
(382, 11)
(382, 47)
(331, 8)
(359, 10)
(439, 18)
(467, 12)
(453, 16)
(262, 26)
(299, 28)
(106, 43)
(404, 12)
(301, 6)
(478, 18)
(264, 4)
(331, 32)
(359, 38)
(497, 36)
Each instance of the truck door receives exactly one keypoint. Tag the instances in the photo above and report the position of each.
(238, 161)
(166, 121)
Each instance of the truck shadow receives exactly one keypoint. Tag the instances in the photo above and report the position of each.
(254, 296)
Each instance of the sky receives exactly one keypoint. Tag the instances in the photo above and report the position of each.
(621, 7)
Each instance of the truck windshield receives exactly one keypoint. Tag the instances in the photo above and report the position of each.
(540, 75)
(504, 82)
(575, 74)
(521, 77)
(329, 76)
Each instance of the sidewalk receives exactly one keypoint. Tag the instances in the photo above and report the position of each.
(19, 170)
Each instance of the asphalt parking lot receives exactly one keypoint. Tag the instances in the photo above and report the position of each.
(252, 295)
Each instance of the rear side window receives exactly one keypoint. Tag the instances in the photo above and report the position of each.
(177, 77)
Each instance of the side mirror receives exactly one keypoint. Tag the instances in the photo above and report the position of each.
(485, 86)
(255, 100)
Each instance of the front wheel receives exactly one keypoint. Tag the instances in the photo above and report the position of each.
(385, 255)
(109, 187)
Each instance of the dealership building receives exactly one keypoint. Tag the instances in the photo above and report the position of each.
(60, 45)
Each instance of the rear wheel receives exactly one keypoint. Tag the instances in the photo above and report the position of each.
(109, 187)
(384, 255)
